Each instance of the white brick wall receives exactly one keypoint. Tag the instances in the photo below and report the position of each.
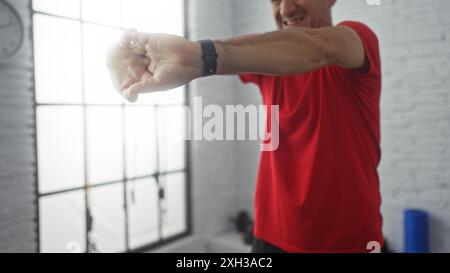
(17, 185)
(249, 17)
(214, 197)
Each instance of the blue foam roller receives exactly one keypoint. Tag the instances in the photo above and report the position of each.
(416, 231)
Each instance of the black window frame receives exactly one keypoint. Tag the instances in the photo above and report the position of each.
(156, 176)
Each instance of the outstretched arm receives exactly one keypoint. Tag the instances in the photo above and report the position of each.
(172, 61)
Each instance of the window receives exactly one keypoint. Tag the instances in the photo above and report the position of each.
(112, 176)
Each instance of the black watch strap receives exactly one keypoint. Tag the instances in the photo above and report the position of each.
(209, 57)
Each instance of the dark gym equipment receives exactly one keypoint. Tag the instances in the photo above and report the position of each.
(244, 225)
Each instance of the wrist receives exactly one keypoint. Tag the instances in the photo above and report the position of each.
(196, 62)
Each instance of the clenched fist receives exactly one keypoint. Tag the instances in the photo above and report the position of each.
(143, 62)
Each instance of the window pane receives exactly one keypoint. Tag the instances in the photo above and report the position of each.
(171, 137)
(154, 16)
(101, 11)
(174, 217)
(172, 97)
(140, 141)
(62, 222)
(57, 47)
(108, 218)
(142, 212)
(97, 82)
(146, 99)
(68, 8)
(60, 147)
(105, 157)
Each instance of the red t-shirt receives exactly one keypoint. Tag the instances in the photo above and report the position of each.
(319, 191)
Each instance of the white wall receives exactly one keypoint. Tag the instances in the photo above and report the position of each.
(214, 197)
(249, 17)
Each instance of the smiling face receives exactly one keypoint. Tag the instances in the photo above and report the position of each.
(302, 13)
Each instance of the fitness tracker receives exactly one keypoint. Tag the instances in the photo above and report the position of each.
(209, 57)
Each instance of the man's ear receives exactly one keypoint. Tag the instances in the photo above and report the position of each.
(331, 3)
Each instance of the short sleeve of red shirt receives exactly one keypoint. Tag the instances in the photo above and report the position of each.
(371, 47)
(319, 191)
(371, 68)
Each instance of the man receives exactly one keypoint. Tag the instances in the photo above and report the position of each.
(319, 191)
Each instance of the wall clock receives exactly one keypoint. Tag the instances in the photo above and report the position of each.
(12, 31)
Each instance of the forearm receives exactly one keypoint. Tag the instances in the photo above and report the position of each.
(282, 52)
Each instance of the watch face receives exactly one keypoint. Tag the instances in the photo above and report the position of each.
(11, 31)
